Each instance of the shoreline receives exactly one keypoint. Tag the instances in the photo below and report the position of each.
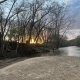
(6, 62)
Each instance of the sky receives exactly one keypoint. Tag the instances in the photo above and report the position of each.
(71, 34)
(74, 12)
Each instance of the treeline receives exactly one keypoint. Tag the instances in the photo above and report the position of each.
(73, 42)
(36, 20)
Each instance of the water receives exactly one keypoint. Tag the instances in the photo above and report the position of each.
(65, 51)
(68, 51)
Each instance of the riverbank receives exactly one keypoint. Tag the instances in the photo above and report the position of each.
(7, 62)
(43, 68)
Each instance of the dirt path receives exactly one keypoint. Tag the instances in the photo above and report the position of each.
(43, 68)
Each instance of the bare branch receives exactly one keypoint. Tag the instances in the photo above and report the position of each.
(2, 1)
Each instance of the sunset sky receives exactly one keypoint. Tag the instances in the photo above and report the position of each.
(74, 12)
(74, 6)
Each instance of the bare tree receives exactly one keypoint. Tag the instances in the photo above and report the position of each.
(60, 21)
(2, 1)
(4, 26)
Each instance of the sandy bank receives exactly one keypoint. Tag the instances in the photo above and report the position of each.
(43, 68)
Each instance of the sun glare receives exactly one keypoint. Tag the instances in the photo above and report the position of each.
(6, 38)
(32, 41)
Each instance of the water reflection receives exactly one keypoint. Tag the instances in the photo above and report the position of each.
(68, 51)
(65, 51)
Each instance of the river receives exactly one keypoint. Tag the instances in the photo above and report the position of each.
(68, 51)
(65, 51)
